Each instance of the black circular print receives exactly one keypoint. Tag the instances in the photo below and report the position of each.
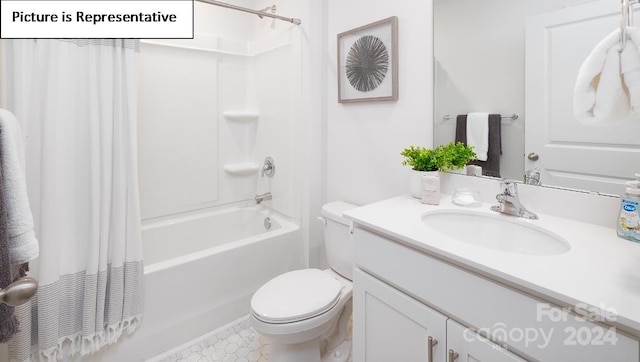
(367, 63)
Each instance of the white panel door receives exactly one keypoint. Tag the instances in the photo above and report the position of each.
(572, 154)
(463, 345)
(390, 326)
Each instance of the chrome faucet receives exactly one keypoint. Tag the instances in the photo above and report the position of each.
(263, 197)
(510, 203)
(532, 176)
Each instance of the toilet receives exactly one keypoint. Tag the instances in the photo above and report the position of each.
(304, 313)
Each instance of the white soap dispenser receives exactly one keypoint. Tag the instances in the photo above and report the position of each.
(628, 224)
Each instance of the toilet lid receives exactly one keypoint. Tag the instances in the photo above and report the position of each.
(295, 296)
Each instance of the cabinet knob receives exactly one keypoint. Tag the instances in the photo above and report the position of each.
(453, 355)
(431, 342)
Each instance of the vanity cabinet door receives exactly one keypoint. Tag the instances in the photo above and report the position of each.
(464, 345)
(391, 326)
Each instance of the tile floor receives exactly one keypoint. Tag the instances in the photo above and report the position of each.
(235, 342)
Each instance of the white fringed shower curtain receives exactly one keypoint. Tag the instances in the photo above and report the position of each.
(76, 100)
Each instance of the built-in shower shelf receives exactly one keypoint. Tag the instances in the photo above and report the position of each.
(241, 116)
(241, 169)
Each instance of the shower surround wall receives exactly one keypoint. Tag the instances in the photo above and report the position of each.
(186, 141)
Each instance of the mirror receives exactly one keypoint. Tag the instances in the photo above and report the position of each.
(523, 57)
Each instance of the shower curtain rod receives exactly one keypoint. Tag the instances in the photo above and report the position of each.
(257, 12)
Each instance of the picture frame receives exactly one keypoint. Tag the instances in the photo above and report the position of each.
(368, 62)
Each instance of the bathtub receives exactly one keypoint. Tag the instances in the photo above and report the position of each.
(201, 271)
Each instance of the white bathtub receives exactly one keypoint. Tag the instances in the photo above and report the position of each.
(201, 271)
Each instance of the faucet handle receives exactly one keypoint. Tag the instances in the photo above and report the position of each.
(509, 187)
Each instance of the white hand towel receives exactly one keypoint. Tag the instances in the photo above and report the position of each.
(478, 133)
(608, 84)
(23, 245)
(630, 67)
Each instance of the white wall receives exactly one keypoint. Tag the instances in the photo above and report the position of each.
(314, 161)
(480, 62)
(364, 140)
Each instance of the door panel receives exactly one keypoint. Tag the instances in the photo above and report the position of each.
(390, 326)
(572, 154)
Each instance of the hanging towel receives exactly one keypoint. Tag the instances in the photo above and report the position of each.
(478, 134)
(608, 84)
(23, 245)
(8, 320)
(490, 167)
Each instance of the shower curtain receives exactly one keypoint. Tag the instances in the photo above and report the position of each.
(76, 100)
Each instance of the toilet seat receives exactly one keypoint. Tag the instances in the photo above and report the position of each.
(296, 296)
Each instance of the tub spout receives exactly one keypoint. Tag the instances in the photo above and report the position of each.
(263, 197)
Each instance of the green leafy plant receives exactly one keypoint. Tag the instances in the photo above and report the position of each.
(420, 158)
(442, 158)
(457, 155)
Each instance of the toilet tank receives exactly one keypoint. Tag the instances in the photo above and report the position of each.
(338, 240)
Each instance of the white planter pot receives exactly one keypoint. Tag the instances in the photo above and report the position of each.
(415, 181)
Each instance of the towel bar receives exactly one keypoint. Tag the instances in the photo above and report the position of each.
(511, 117)
(19, 292)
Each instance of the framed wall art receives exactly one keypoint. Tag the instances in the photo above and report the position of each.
(368, 62)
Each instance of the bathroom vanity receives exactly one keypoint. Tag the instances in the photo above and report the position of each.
(436, 292)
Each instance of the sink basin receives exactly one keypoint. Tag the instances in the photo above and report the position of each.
(498, 232)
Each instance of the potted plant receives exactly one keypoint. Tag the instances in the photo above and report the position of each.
(456, 156)
(425, 161)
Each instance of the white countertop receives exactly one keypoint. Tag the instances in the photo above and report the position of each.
(601, 270)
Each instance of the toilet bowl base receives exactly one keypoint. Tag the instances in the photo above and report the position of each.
(340, 354)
